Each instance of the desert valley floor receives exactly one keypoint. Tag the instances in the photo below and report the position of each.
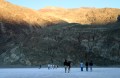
(58, 73)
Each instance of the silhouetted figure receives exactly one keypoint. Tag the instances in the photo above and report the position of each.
(91, 64)
(86, 64)
(81, 65)
(57, 66)
(65, 65)
(39, 66)
(69, 65)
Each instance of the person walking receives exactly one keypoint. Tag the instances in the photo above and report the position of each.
(65, 65)
(91, 64)
(69, 66)
(86, 64)
(81, 65)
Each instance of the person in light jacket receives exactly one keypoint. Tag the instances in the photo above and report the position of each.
(81, 65)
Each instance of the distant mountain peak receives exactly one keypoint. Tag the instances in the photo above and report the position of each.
(52, 9)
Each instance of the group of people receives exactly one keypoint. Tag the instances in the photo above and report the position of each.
(51, 66)
(67, 65)
(87, 65)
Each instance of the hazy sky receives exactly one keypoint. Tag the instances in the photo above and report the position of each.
(37, 4)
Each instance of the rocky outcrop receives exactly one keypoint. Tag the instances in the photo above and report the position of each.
(14, 56)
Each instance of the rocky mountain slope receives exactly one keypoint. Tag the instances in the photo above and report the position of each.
(52, 34)
(15, 14)
(83, 15)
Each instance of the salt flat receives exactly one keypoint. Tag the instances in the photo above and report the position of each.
(58, 73)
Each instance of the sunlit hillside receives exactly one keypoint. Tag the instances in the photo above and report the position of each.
(15, 14)
(83, 15)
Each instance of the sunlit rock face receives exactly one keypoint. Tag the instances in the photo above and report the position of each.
(83, 15)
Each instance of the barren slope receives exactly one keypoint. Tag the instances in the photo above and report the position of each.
(15, 14)
(83, 15)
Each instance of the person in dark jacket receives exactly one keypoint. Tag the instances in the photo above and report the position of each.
(69, 65)
(86, 64)
(65, 65)
(91, 64)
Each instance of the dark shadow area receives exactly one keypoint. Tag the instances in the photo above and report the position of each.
(33, 45)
